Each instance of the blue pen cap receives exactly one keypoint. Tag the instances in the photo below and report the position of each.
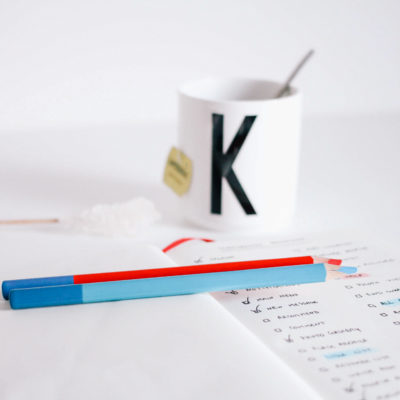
(52, 296)
(7, 286)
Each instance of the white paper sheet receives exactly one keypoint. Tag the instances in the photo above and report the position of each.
(186, 347)
(342, 336)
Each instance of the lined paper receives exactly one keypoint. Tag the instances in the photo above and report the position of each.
(342, 336)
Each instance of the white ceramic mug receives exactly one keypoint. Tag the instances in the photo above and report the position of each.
(244, 147)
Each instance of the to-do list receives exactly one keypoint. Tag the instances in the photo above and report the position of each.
(341, 336)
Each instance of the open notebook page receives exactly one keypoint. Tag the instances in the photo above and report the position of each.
(341, 336)
(184, 347)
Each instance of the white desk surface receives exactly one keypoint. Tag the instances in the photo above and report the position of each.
(349, 179)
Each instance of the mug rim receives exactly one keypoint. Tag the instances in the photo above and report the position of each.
(188, 89)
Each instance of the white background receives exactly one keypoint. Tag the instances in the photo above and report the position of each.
(88, 100)
(96, 62)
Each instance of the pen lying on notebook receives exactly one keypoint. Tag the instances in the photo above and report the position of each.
(157, 272)
(174, 285)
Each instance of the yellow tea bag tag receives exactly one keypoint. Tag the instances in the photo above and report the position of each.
(178, 171)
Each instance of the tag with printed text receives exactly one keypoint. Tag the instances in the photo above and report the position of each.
(178, 171)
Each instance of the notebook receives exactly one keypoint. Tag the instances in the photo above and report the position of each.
(342, 336)
(331, 340)
(184, 347)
